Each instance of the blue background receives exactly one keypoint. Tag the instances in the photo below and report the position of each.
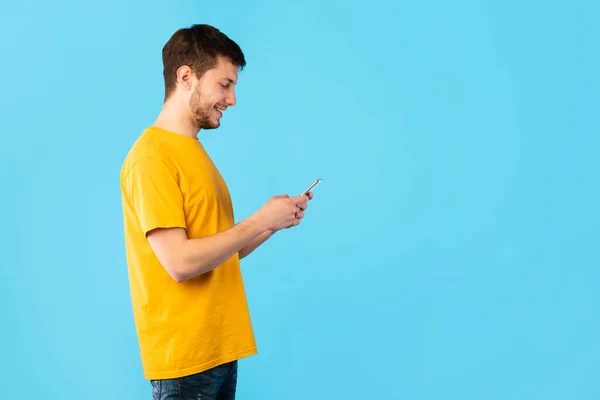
(450, 253)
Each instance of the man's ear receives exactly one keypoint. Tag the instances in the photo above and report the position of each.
(185, 77)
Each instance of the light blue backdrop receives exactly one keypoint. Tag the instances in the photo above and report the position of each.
(451, 252)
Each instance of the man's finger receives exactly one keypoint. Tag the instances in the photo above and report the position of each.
(300, 199)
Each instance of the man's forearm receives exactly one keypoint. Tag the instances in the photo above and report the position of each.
(250, 247)
(204, 254)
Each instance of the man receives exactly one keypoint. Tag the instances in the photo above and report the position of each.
(183, 246)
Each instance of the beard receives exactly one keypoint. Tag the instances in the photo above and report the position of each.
(203, 111)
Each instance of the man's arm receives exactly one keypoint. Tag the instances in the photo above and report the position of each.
(185, 258)
(150, 187)
(250, 247)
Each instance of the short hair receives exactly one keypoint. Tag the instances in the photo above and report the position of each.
(197, 47)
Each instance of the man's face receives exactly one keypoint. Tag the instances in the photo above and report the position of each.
(213, 94)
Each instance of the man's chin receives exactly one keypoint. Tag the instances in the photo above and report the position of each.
(212, 126)
(206, 125)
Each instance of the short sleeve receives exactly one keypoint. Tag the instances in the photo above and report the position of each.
(153, 191)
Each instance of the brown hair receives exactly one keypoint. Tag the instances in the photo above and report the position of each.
(197, 47)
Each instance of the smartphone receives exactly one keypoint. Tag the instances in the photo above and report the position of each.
(315, 183)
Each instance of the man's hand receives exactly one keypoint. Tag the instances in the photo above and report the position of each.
(299, 214)
(282, 212)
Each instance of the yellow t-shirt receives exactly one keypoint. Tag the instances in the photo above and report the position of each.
(168, 180)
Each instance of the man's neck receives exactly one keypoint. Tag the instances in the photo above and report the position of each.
(175, 119)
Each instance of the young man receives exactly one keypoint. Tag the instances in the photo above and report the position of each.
(183, 246)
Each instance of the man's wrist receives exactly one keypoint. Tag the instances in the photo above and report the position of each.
(257, 225)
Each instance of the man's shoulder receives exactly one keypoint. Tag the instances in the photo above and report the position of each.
(145, 148)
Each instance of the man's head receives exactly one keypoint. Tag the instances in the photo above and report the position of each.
(200, 70)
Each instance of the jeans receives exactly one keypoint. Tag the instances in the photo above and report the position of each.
(218, 383)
